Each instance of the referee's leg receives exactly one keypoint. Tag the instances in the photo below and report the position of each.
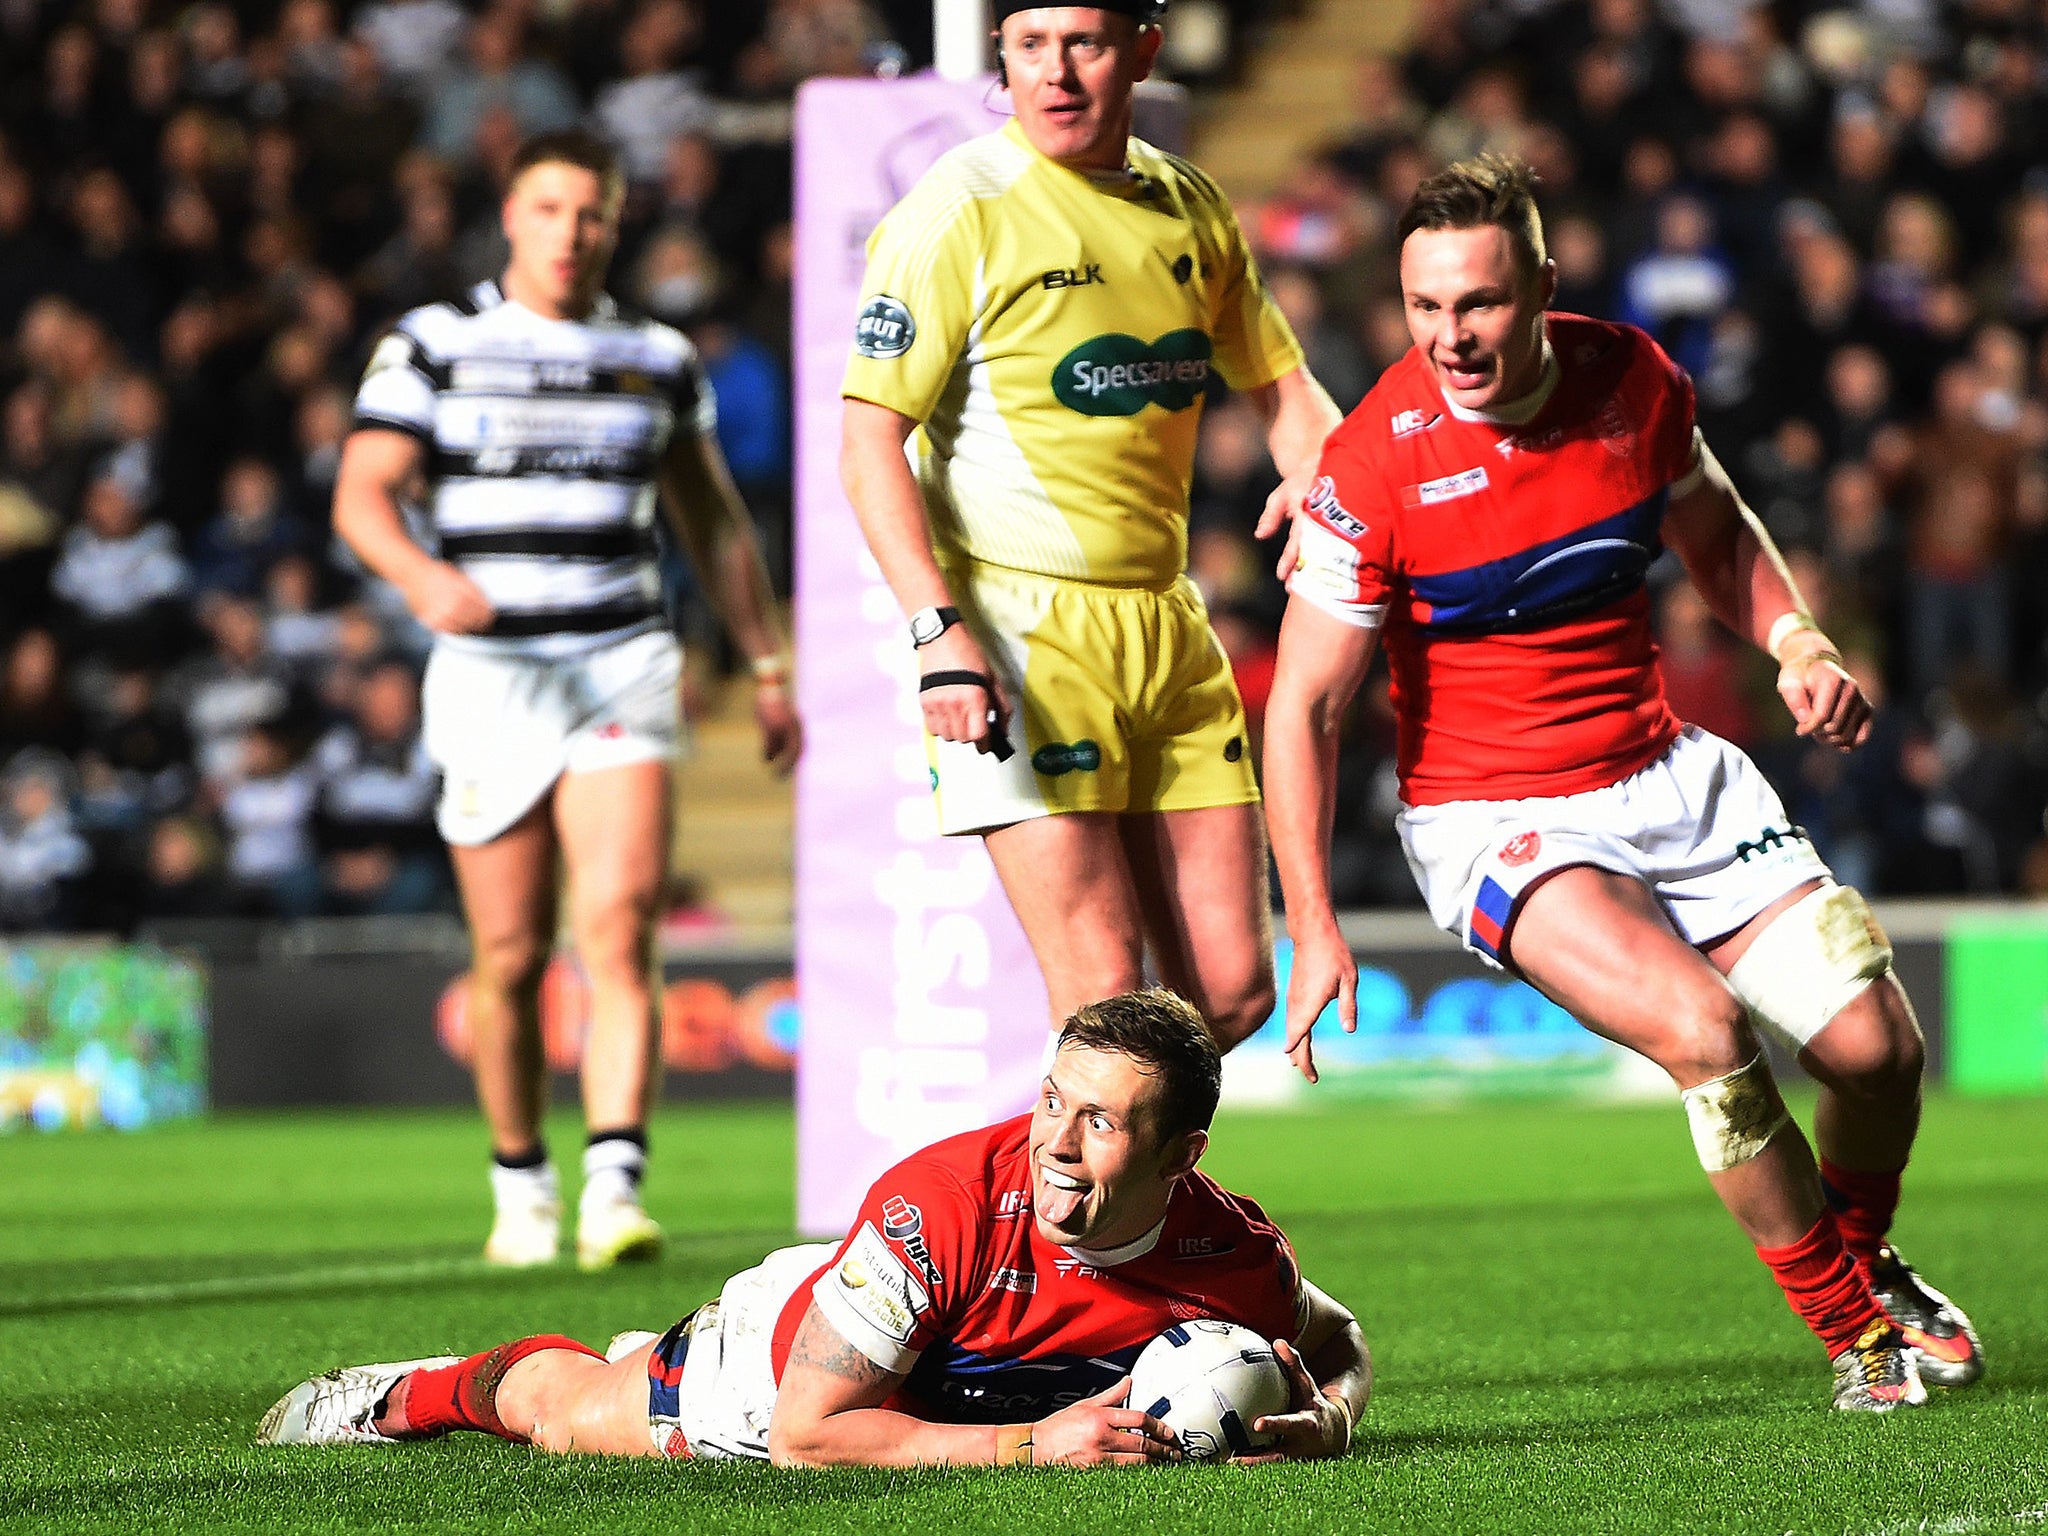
(1070, 885)
(1201, 883)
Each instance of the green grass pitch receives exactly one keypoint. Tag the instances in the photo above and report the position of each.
(1569, 1335)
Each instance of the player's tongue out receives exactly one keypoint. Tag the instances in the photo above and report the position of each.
(1060, 1198)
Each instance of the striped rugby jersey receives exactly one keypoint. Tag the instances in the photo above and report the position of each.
(543, 437)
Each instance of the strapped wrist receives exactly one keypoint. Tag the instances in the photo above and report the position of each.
(1788, 625)
(1013, 1445)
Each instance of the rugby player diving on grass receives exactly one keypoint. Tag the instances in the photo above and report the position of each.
(1493, 508)
(984, 1310)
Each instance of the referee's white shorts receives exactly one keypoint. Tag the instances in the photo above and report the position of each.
(502, 728)
(1700, 826)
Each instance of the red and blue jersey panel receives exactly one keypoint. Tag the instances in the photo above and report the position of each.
(1507, 564)
(946, 1279)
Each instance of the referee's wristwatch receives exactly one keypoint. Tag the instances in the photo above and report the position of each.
(927, 624)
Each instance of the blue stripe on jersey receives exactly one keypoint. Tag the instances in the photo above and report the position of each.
(966, 1388)
(1549, 582)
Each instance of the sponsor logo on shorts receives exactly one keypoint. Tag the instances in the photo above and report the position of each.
(1774, 840)
(1119, 375)
(1521, 848)
(1323, 505)
(885, 328)
(1233, 749)
(1058, 757)
(1469, 482)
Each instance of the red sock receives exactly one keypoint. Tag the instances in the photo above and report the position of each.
(1863, 1204)
(1823, 1285)
(465, 1395)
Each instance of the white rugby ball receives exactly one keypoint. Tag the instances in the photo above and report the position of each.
(1209, 1380)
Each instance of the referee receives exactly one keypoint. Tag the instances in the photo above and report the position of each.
(545, 423)
(1043, 314)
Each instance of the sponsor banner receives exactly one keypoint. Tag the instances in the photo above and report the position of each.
(96, 1035)
(1997, 1004)
(924, 1012)
(1431, 1023)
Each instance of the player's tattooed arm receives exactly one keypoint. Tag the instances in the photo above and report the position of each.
(818, 1347)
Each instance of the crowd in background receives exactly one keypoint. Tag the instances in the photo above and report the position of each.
(1835, 216)
(1836, 219)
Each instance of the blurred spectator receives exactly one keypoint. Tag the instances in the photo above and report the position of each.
(35, 709)
(253, 531)
(499, 75)
(233, 688)
(1678, 288)
(655, 99)
(120, 581)
(304, 638)
(379, 851)
(412, 39)
(1333, 357)
(266, 797)
(27, 255)
(183, 875)
(43, 860)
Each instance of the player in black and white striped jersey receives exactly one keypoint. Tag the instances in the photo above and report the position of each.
(547, 424)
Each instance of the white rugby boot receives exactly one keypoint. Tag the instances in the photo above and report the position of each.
(614, 1229)
(527, 1231)
(337, 1407)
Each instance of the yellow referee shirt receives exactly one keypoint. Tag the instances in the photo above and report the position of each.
(1054, 332)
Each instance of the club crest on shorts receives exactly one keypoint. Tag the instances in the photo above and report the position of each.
(1520, 849)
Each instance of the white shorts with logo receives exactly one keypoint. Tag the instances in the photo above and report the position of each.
(503, 728)
(1699, 826)
(727, 1392)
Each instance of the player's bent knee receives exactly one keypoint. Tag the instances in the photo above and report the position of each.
(1237, 1018)
(514, 965)
(1734, 1116)
(1813, 961)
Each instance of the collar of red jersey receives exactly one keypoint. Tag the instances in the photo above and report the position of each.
(1108, 1258)
(1517, 413)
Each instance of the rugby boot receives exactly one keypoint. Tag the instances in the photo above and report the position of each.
(1877, 1373)
(339, 1407)
(615, 1230)
(527, 1228)
(1944, 1344)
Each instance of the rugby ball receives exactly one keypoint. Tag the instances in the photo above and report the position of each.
(1209, 1380)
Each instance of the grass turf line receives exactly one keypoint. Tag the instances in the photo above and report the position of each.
(1569, 1334)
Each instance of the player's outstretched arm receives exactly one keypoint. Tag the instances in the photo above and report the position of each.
(1322, 660)
(886, 499)
(1736, 565)
(709, 516)
(829, 1413)
(377, 465)
(1331, 1372)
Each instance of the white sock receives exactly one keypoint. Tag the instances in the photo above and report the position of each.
(524, 1188)
(612, 1170)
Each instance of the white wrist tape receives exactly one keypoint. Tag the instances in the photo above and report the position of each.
(1734, 1117)
(1786, 626)
(1811, 962)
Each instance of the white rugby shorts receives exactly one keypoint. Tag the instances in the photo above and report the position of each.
(503, 728)
(727, 1392)
(1699, 826)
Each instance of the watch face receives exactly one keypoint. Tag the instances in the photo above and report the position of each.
(926, 626)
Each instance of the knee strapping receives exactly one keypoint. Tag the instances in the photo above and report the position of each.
(1813, 959)
(1734, 1117)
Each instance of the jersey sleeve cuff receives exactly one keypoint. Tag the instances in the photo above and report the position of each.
(863, 1335)
(1357, 615)
(1696, 475)
(371, 421)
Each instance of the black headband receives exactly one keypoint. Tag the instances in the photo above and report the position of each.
(1137, 10)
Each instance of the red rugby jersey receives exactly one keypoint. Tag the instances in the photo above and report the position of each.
(945, 1278)
(1509, 563)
